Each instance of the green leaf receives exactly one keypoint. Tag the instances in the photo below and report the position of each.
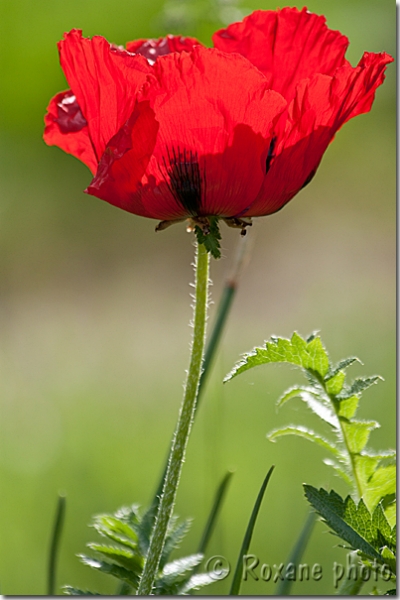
(391, 514)
(71, 591)
(357, 433)
(116, 530)
(237, 577)
(110, 569)
(334, 384)
(314, 400)
(319, 360)
(382, 483)
(181, 566)
(308, 434)
(348, 407)
(389, 557)
(342, 364)
(210, 239)
(353, 524)
(124, 558)
(379, 521)
(358, 386)
(174, 537)
(296, 351)
(196, 582)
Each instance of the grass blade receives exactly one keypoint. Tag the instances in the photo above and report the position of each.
(219, 496)
(55, 545)
(283, 587)
(237, 578)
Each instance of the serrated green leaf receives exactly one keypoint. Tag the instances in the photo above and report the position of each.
(337, 514)
(196, 582)
(341, 365)
(211, 239)
(319, 360)
(358, 386)
(393, 535)
(348, 407)
(308, 434)
(110, 569)
(181, 566)
(295, 351)
(382, 483)
(71, 591)
(174, 538)
(380, 522)
(389, 558)
(314, 400)
(391, 514)
(114, 529)
(334, 384)
(357, 433)
(294, 392)
(124, 558)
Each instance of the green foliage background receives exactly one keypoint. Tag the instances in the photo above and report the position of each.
(95, 308)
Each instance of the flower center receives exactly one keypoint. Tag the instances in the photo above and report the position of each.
(184, 178)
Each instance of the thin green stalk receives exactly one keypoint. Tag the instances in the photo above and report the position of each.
(224, 306)
(182, 432)
(55, 544)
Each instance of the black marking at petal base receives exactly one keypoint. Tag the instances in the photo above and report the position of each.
(309, 178)
(270, 155)
(184, 178)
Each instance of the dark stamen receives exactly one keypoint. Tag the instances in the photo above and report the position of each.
(270, 155)
(185, 181)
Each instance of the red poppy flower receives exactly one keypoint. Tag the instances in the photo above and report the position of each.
(171, 129)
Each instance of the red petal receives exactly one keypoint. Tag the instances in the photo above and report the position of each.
(152, 49)
(286, 45)
(229, 132)
(125, 161)
(105, 80)
(205, 133)
(321, 106)
(66, 128)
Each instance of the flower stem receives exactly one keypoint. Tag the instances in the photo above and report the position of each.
(240, 261)
(181, 436)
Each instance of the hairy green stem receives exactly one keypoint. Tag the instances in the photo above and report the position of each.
(224, 306)
(336, 406)
(181, 436)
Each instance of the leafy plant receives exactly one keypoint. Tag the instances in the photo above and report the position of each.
(129, 531)
(366, 524)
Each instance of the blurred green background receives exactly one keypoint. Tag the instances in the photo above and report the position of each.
(95, 310)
